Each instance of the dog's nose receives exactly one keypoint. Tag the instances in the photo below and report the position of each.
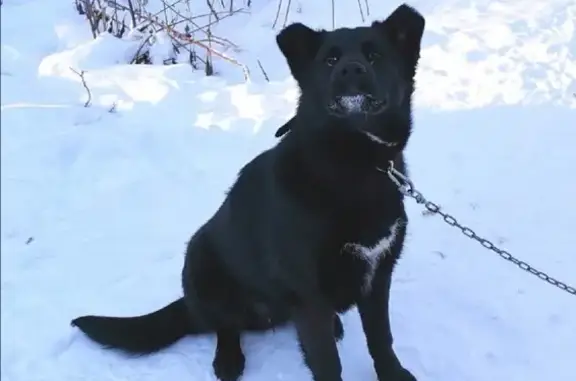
(352, 70)
(351, 77)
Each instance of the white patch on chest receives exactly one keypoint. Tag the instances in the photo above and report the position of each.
(373, 254)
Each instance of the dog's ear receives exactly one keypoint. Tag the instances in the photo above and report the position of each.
(299, 44)
(404, 28)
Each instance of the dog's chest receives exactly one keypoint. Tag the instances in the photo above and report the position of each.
(346, 274)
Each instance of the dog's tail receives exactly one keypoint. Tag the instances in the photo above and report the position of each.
(139, 334)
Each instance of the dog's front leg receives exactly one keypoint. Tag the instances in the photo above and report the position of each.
(374, 313)
(314, 325)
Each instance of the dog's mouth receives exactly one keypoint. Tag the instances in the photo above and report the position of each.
(363, 105)
(343, 106)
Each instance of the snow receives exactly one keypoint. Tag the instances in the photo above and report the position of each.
(98, 202)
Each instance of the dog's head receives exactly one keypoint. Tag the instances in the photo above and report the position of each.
(360, 79)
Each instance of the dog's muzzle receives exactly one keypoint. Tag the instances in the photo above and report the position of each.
(360, 103)
(353, 93)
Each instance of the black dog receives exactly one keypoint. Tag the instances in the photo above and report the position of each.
(311, 227)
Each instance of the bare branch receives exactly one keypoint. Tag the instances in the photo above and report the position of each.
(287, 13)
(361, 12)
(212, 10)
(81, 74)
(263, 71)
(367, 7)
(132, 13)
(89, 10)
(277, 13)
(333, 14)
(137, 56)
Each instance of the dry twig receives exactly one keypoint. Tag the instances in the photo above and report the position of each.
(212, 10)
(288, 6)
(333, 15)
(287, 13)
(277, 13)
(263, 71)
(81, 74)
(367, 7)
(361, 12)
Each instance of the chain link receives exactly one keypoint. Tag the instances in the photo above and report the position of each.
(407, 188)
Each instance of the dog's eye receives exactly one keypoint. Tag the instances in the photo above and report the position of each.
(331, 60)
(373, 56)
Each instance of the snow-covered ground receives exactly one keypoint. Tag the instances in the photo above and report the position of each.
(98, 205)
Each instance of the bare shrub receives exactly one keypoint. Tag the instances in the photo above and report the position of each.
(188, 33)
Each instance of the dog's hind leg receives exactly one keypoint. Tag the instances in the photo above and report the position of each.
(223, 304)
(229, 359)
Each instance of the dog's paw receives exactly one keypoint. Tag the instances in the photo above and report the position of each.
(398, 374)
(403, 375)
(228, 365)
(338, 328)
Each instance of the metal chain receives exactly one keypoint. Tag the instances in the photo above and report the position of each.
(407, 188)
